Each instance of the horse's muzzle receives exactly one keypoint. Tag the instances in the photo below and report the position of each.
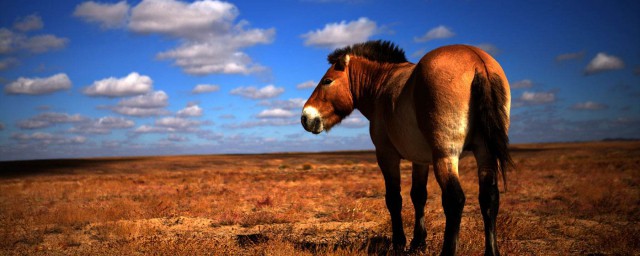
(311, 121)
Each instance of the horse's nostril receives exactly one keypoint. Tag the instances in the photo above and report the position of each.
(303, 119)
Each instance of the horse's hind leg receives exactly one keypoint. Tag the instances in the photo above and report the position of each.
(419, 198)
(489, 196)
(453, 199)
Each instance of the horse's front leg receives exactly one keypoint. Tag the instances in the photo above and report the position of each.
(389, 162)
(453, 199)
(419, 198)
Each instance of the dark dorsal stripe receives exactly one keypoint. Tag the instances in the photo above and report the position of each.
(380, 51)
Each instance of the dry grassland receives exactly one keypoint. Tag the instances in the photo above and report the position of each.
(563, 199)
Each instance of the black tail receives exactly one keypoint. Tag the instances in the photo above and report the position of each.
(490, 99)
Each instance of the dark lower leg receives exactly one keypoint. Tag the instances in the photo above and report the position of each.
(489, 204)
(453, 200)
(394, 205)
(419, 199)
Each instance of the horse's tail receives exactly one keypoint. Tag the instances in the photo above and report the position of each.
(492, 118)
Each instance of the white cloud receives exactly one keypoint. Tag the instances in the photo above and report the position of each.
(489, 48)
(7, 63)
(102, 125)
(157, 99)
(210, 40)
(107, 15)
(132, 84)
(219, 55)
(290, 104)
(44, 138)
(570, 56)
(204, 88)
(439, 32)
(140, 112)
(11, 42)
(7, 41)
(169, 125)
(589, 105)
(537, 97)
(269, 91)
(180, 19)
(276, 113)
(335, 35)
(177, 138)
(526, 83)
(43, 43)
(603, 62)
(177, 123)
(307, 84)
(36, 86)
(354, 122)
(263, 122)
(31, 22)
(193, 110)
(49, 119)
(150, 104)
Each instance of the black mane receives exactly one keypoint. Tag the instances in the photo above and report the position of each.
(380, 51)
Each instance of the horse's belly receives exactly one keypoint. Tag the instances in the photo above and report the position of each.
(409, 141)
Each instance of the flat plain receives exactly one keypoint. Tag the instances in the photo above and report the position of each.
(562, 199)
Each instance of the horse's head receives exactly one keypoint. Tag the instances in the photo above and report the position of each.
(331, 101)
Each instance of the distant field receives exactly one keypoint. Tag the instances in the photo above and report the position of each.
(563, 199)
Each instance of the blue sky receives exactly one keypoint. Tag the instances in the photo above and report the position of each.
(156, 77)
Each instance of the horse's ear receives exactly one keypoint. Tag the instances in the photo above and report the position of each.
(343, 62)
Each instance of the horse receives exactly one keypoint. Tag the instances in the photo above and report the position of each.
(455, 99)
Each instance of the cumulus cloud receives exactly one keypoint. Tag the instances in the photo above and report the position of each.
(290, 104)
(307, 84)
(193, 110)
(170, 124)
(276, 113)
(526, 83)
(157, 99)
(211, 41)
(44, 138)
(269, 91)
(102, 125)
(107, 15)
(205, 88)
(439, 32)
(489, 48)
(44, 43)
(570, 56)
(7, 63)
(48, 119)
(28, 23)
(37, 86)
(132, 84)
(603, 62)
(335, 35)
(537, 97)
(589, 105)
(177, 138)
(150, 104)
(263, 122)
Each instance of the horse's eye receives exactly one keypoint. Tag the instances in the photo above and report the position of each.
(326, 81)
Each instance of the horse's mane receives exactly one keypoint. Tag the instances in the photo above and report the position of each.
(380, 51)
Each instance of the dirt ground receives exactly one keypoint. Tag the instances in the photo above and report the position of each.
(562, 199)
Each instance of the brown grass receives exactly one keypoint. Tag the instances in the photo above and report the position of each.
(563, 199)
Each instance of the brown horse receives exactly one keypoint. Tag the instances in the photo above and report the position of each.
(456, 98)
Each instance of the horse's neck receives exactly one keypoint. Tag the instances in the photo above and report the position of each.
(374, 83)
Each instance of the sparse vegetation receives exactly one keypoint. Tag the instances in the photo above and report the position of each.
(563, 199)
